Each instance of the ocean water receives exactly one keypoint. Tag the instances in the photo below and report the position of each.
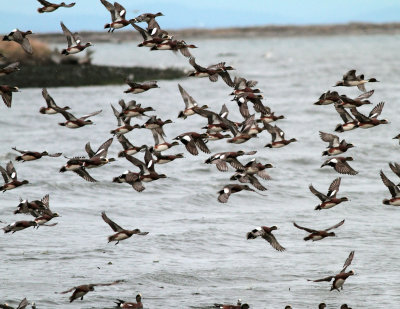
(196, 252)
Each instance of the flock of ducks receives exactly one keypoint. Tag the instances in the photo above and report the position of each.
(218, 127)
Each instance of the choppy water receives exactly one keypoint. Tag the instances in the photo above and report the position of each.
(196, 253)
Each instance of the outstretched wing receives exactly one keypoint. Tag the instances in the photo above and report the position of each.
(91, 114)
(23, 304)
(335, 226)
(360, 117)
(323, 279)
(11, 171)
(273, 242)
(103, 149)
(68, 34)
(84, 174)
(393, 189)
(334, 188)
(377, 110)
(318, 194)
(112, 224)
(304, 228)
(189, 101)
(348, 261)
(49, 100)
(332, 139)
(5, 175)
(89, 150)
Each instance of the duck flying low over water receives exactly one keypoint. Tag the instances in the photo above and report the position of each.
(221, 158)
(129, 148)
(76, 165)
(335, 147)
(98, 158)
(18, 226)
(269, 117)
(350, 79)
(393, 189)
(118, 13)
(349, 122)
(227, 190)
(127, 127)
(159, 143)
(27, 155)
(192, 140)
(162, 159)
(147, 171)
(265, 232)
(318, 234)
(372, 120)
(72, 122)
(130, 178)
(329, 97)
(212, 71)
(357, 102)
(74, 42)
(329, 200)
(10, 178)
(121, 233)
(36, 208)
(51, 104)
(278, 137)
(256, 168)
(140, 87)
(340, 165)
(49, 7)
(6, 94)
(133, 109)
(191, 106)
(340, 278)
(175, 46)
(126, 305)
(19, 37)
(156, 124)
(150, 39)
(82, 290)
(241, 85)
(243, 177)
(11, 68)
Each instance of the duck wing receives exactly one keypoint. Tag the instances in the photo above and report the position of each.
(116, 114)
(115, 227)
(304, 228)
(144, 33)
(334, 188)
(364, 95)
(393, 189)
(68, 34)
(332, 139)
(91, 114)
(318, 194)
(350, 75)
(137, 162)
(395, 168)
(226, 78)
(23, 304)
(120, 11)
(111, 9)
(254, 181)
(344, 168)
(199, 68)
(273, 242)
(323, 279)
(49, 100)
(84, 174)
(346, 117)
(348, 261)
(44, 2)
(19, 38)
(89, 150)
(334, 226)
(377, 110)
(6, 178)
(360, 117)
(124, 142)
(202, 145)
(189, 101)
(11, 171)
(7, 98)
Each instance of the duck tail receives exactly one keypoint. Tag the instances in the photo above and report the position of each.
(317, 208)
(119, 302)
(325, 153)
(339, 128)
(19, 158)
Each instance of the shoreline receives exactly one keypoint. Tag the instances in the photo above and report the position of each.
(237, 32)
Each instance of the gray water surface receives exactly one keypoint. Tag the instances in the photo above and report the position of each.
(196, 253)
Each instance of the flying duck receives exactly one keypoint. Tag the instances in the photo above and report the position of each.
(51, 104)
(74, 42)
(349, 122)
(318, 234)
(278, 137)
(266, 233)
(51, 7)
(118, 13)
(227, 190)
(393, 189)
(140, 87)
(340, 278)
(72, 122)
(10, 178)
(20, 38)
(27, 155)
(335, 147)
(193, 139)
(190, 104)
(372, 120)
(350, 79)
(212, 71)
(11, 68)
(82, 290)
(121, 233)
(329, 200)
(129, 148)
(340, 165)
(221, 158)
(6, 94)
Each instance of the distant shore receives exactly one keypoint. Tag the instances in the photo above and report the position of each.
(259, 31)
